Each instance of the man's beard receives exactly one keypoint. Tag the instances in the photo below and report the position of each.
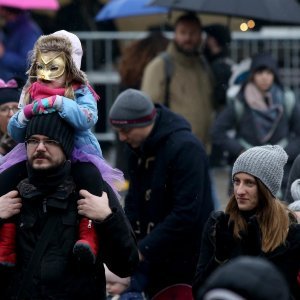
(187, 52)
(42, 168)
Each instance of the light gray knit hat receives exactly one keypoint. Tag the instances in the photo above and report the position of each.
(264, 162)
(132, 108)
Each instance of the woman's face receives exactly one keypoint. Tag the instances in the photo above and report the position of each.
(245, 191)
(263, 79)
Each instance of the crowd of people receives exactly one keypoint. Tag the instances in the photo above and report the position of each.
(64, 231)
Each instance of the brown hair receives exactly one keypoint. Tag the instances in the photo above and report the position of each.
(47, 43)
(137, 55)
(272, 216)
(188, 17)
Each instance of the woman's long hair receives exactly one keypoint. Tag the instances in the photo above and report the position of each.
(272, 216)
(137, 55)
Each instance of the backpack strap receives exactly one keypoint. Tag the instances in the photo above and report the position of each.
(169, 69)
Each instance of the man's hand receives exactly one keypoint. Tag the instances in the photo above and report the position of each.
(93, 207)
(10, 205)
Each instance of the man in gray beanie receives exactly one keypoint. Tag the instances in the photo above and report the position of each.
(169, 189)
(132, 108)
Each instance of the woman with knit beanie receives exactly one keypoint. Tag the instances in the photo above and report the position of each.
(255, 222)
(56, 84)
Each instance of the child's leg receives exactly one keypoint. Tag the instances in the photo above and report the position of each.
(8, 182)
(87, 176)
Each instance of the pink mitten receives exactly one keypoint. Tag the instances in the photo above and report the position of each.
(28, 111)
(43, 106)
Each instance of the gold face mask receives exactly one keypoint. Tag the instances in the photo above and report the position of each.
(50, 65)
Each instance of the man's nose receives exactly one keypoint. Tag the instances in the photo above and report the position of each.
(41, 147)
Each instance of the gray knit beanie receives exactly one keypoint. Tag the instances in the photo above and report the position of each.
(264, 162)
(295, 190)
(132, 108)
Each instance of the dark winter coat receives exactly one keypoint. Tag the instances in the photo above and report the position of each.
(59, 275)
(169, 199)
(285, 257)
(221, 66)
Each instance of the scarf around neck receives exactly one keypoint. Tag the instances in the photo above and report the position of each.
(266, 110)
(47, 180)
(39, 91)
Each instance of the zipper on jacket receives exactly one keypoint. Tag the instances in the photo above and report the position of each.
(90, 224)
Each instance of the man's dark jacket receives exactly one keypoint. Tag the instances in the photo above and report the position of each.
(169, 200)
(59, 275)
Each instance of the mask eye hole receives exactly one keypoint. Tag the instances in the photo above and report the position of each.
(39, 67)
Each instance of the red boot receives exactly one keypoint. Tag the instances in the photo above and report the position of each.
(8, 244)
(86, 248)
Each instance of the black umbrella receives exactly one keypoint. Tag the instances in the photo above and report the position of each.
(275, 11)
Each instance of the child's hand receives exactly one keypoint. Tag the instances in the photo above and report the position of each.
(42, 106)
(27, 110)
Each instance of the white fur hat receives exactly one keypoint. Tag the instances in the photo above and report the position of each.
(76, 45)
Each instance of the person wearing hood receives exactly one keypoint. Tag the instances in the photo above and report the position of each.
(263, 112)
(169, 196)
(255, 222)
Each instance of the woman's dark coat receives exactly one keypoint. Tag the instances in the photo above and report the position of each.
(285, 257)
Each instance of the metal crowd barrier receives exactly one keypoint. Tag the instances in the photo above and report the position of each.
(100, 64)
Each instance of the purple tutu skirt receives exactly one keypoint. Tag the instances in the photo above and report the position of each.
(114, 177)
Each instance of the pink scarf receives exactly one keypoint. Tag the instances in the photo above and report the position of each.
(39, 91)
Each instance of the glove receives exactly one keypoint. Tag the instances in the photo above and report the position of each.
(27, 112)
(43, 106)
(251, 240)
(225, 242)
